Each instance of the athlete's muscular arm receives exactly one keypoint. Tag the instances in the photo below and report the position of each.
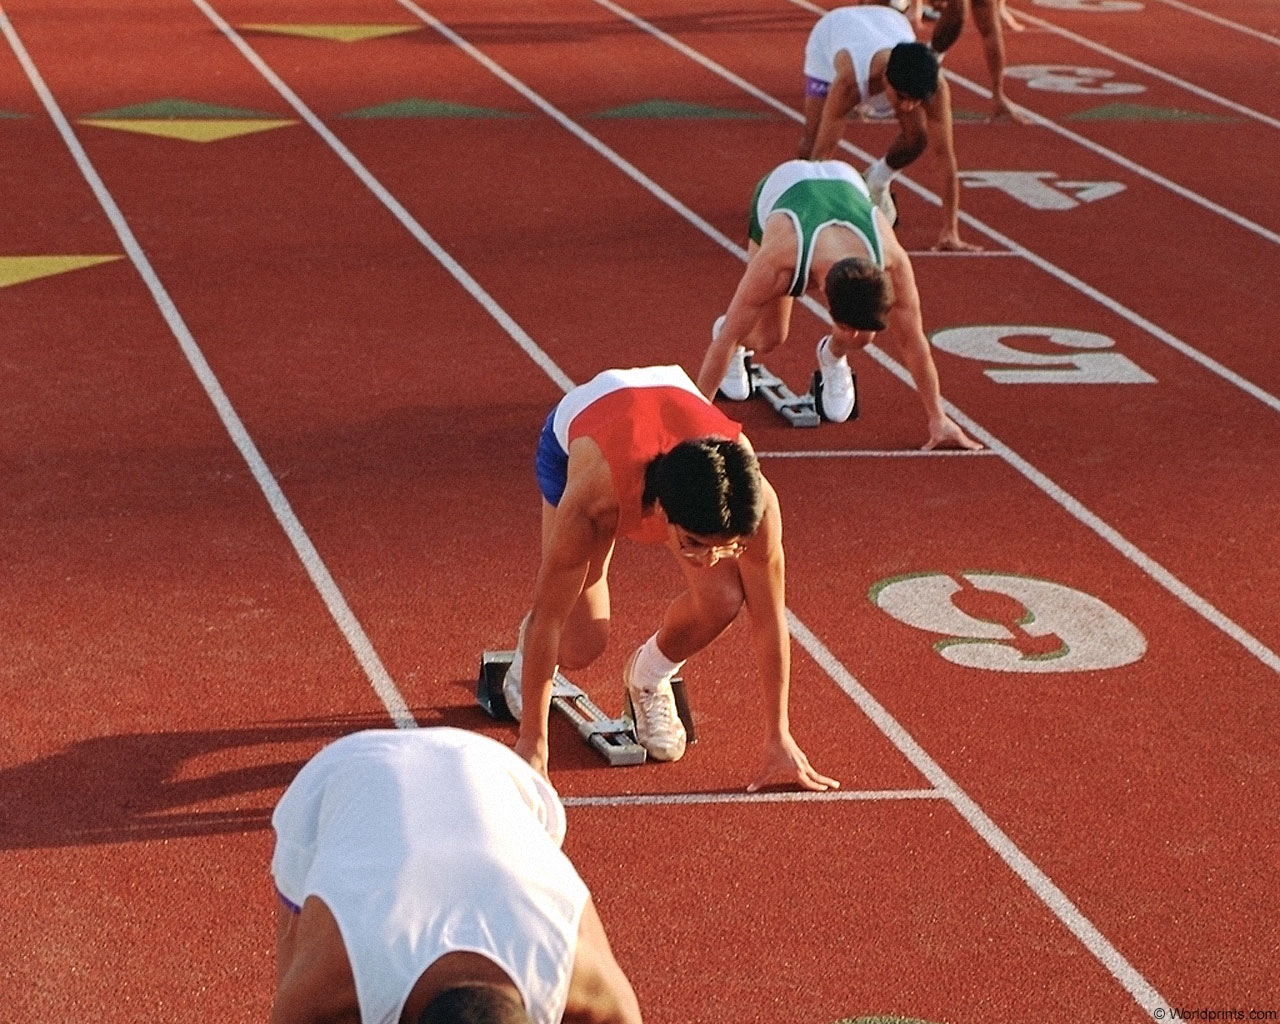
(584, 525)
(761, 568)
(906, 328)
(599, 992)
(842, 97)
(938, 126)
(760, 308)
(314, 981)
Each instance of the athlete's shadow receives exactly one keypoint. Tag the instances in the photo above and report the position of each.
(168, 785)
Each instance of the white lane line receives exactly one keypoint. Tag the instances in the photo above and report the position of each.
(687, 799)
(575, 129)
(1035, 879)
(888, 453)
(1108, 154)
(1234, 25)
(1154, 72)
(1054, 271)
(1132, 166)
(981, 254)
(323, 581)
(393, 205)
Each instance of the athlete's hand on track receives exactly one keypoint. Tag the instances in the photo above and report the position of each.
(947, 434)
(535, 752)
(784, 761)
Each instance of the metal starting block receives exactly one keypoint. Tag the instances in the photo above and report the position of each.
(798, 410)
(612, 738)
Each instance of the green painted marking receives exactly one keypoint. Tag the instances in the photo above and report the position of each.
(11, 115)
(413, 107)
(1141, 112)
(677, 109)
(176, 108)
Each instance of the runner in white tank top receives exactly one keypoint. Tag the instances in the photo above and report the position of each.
(862, 32)
(419, 844)
(866, 59)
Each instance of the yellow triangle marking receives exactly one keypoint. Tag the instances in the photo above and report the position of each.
(189, 129)
(16, 269)
(335, 33)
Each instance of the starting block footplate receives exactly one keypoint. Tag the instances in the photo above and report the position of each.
(614, 739)
(798, 410)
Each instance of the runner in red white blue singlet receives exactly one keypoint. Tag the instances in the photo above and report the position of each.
(640, 453)
(634, 415)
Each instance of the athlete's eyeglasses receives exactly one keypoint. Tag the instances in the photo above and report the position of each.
(697, 550)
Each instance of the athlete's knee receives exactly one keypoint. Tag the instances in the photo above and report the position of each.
(907, 147)
(764, 339)
(718, 606)
(583, 644)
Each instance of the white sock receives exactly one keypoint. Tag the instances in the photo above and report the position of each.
(878, 175)
(517, 662)
(826, 357)
(652, 666)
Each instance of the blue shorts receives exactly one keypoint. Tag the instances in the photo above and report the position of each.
(551, 463)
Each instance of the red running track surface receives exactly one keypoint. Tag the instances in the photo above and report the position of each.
(267, 482)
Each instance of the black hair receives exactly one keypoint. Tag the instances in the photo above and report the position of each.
(709, 486)
(474, 1004)
(913, 70)
(859, 294)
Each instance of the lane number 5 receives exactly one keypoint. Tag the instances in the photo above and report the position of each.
(1080, 362)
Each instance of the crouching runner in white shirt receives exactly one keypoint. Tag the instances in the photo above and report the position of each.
(421, 881)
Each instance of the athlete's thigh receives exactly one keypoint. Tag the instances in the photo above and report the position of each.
(587, 627)
(774, 320)
(986, 15)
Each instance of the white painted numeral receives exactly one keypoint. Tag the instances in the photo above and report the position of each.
(1045, 627)
(1068, 78)
(1042, 190)
(989, 344)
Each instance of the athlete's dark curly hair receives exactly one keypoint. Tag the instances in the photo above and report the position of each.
(710, 487)
(474, 1004)
(913, 70)
(859, 294)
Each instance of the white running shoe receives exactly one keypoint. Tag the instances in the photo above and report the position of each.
(511, 691)
(883, 200)
(736, 385)
(838, 394)
(654, 716)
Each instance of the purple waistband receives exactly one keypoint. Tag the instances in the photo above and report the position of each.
(816, 87)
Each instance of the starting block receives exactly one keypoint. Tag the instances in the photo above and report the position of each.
(798, 410)
(614, 739)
